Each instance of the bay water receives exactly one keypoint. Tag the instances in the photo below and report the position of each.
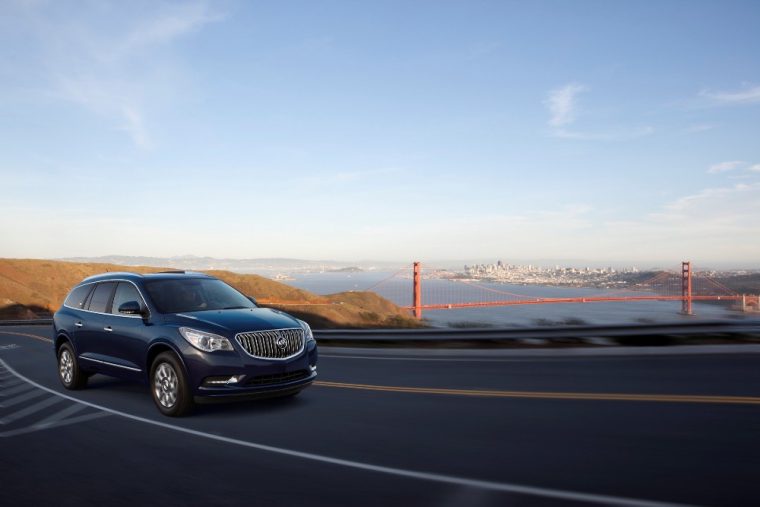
(439, 291)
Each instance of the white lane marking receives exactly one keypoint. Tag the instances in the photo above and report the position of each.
(14, 390)
(503, 487)
(22, 398)
(61, 414)
(7, 383)
(65, 422)
(31, 409)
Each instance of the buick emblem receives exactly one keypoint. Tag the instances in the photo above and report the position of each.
(281, 342)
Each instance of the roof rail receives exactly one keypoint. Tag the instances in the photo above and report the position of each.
(110, 273)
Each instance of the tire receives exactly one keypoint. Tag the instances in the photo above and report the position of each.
(168, 386)
(72, 377)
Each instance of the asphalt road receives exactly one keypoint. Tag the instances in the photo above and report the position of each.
(384, 430)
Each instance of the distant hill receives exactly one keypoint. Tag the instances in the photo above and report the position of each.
(742, 284)
(32, 288)
(260, 265)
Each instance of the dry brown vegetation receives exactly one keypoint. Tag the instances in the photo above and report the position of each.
(31, 288)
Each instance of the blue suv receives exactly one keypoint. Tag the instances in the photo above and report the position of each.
(190, 336)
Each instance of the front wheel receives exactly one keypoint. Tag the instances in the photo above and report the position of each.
(68, 368)
(168, 386)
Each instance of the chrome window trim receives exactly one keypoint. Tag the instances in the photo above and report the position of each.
(300, 351)
(142, 296)
(109, 364)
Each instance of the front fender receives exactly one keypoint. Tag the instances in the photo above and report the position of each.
(162, 344)
(60, 337)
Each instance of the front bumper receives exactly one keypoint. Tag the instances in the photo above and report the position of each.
(260, 377)
(216, 394)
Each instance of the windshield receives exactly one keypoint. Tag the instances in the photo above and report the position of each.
(194, 295)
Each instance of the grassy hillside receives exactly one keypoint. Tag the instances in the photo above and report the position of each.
(32, 288)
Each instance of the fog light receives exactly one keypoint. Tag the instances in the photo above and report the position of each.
(222, 381)
(313, 368)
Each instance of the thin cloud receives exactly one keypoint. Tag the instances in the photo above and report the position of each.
(715, 224)
(114, 71)
(184, 18)
(675, 209)
(563, 105)
(755, 168)
(135, 127)
(749, 95)
(725, 166)
(110, 98)
(732, 207)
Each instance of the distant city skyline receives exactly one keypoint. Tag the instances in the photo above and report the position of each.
(613, 133)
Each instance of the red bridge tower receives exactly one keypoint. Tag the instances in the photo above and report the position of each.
(686, 288)
(417, 295)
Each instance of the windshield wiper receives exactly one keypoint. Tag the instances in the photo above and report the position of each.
(235, 307)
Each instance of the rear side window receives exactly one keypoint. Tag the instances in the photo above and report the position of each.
(125, 292)
(101, 297)
(77, 297)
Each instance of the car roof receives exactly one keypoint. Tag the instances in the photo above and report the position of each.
(126, 275)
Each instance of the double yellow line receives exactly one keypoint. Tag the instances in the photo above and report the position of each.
(668, 398)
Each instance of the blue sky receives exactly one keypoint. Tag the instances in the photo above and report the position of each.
(608, 132)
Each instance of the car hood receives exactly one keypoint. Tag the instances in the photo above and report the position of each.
(236, 321)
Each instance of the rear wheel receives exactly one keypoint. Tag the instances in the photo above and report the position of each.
(168, 386)
(72, 377)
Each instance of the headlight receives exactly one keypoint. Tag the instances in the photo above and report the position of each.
(307, 334)
(207, 342)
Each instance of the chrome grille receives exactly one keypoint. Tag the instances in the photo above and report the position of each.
(273, 343)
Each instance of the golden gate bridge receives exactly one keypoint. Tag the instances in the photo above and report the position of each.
(684, 285)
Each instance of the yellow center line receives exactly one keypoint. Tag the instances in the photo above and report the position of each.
(670, 398)
(35, 336)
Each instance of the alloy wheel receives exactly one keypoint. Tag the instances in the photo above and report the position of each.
(66, 366)
(166, 385)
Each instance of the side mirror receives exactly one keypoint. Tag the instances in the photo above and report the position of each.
(253, 300)
(130, 308)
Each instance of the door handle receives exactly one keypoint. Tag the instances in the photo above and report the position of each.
(108, 328)
(78, 324)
